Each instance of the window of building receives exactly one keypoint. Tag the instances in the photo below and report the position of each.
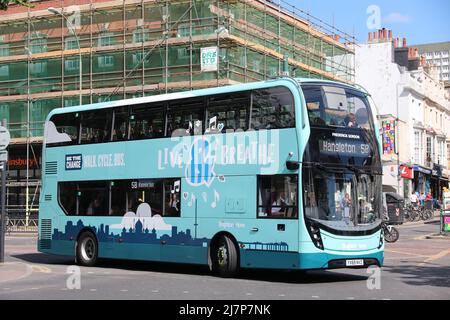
(38, 45)
(105, 61)
(272, 108)
(72, 64)
(38, 67)
(417, 147)
(96, 126)
(105, 39)
(4, 70)
(277, 196)
(71, 43)
(147, 122)
(4, 50)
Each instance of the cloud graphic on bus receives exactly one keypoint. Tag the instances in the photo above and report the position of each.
(200, 167)
(144, 215)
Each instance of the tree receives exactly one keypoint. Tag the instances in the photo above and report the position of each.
(5, 3)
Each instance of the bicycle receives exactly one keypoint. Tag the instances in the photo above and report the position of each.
(390, 233)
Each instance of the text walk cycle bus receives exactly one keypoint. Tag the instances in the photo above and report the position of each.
(281, 174)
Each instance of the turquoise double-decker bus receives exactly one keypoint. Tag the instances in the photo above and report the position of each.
(280, 174)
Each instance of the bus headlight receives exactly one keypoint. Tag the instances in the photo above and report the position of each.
(314, 233)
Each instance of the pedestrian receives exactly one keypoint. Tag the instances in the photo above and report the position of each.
(422, 199)
(413, 198)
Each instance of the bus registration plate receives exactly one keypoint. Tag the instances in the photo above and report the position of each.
(354, 263)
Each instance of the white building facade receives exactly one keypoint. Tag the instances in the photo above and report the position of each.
(414, 112)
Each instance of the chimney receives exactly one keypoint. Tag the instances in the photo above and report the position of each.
(384, 34)
(395, 43)
(416, 53)
(404, 43)
(370, 36)
(390, 34)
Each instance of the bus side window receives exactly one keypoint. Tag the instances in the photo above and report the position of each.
(93, 198)
(272, 108)
(68, 125)
(185, 118)
(119, 198)
(68, 197)
(96, 126)
(227, 113)
(120, 125)
(277, 196)
(146, 122)
(172, 205)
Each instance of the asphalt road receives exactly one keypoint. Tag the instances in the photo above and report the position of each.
(415, 268)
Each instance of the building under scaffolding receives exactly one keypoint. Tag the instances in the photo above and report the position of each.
(133, 48)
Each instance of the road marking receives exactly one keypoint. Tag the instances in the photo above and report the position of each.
(435, 257)
(92, 290)
(315, 297)
(124, 290)
(282, 295)
(248, 294)
(41, 269)
(406, 253)
(350, 298)
(155, 291)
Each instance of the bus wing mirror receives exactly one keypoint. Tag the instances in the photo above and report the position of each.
(293, 165)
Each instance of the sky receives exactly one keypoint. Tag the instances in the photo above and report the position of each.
(419, 21)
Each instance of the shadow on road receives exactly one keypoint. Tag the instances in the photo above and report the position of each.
(280, 276)
(429, 275)
(42, 258)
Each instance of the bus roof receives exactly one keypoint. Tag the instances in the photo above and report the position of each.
(287, 81)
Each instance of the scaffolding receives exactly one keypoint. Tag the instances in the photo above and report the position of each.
(134, 48)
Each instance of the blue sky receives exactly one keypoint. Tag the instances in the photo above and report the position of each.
(418, 21)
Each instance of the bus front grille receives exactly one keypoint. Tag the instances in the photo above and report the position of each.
(45, 239)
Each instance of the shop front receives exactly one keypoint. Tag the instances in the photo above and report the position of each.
(422, 179)
(23, 182)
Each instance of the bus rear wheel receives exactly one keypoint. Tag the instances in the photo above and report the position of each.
(225, 258)
(87, 249)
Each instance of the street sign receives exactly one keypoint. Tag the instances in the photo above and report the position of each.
(4, 138)
(209, 59)
(3, 155)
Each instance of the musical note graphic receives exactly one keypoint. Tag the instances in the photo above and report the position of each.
(213, 123)
(176, 187)
(192, 201)
(188, 130)
(216, 199)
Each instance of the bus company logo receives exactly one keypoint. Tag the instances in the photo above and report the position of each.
(200, 167)
(74, 162)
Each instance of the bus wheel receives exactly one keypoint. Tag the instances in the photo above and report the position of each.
(225, 258)
(87, 249)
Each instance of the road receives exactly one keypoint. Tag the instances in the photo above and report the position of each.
(415, 268)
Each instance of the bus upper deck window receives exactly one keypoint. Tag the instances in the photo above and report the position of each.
(96, 126)
(272, 108)
(146, 122)
(67, 127)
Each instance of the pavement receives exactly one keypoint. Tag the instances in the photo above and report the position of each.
(415, 268)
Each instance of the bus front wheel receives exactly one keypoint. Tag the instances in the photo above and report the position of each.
(87, 249)
(225, 257)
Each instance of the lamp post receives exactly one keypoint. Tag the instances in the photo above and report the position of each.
(71, 26)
